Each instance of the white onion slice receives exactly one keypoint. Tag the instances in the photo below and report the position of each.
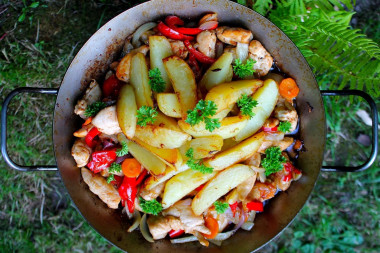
(247, 226)
(242, 51)
(209, 25)
(217, 243)
(277, 136)
(261, 173)
(224, 236)
(184, 239)
(136, 36)
(145, 230)
(136, 222)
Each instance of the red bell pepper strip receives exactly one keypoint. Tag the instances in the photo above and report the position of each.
(176, 233)
(111, 87)
(117, 181)
(269, 129)
(200, 187)
(172, 34)
(287, 177)
(89, 139)
(173, 21)
(233, 207)
(128, 190)
(101, 160)
(200, 57)
(255, 206)
(187, 30)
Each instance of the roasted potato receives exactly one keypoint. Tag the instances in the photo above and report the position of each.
(140, 80)
(218, 73)
(206, 146)
(153, 181)
(126, 110)
(169, 104)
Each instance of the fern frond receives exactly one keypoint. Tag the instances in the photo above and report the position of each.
(262, 6)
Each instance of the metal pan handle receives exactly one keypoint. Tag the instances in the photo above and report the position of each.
(4, 152)
(375, 148)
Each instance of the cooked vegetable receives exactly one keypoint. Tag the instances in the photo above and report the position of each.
(145, 115)
(156, 81)
(220, 207)
(94, 108)
(288, 88)
(151, 206)
(255, 206)
(207, 146)
(128, 190)
(126, 111)
(284, 126)
(201, 113)
(145, 229)
(101, 160)
(137, 34)
(172, 34)
(218, 72)
(197, 165)
(168, 104)
(213, 226)
(244, 70)
(111, 87)
(246, 104)
(198, 55)
(124, 149)
(90, 137)
(273, 162)
(131, 167)
(140, 80)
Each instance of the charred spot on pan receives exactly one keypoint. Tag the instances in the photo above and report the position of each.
(310, 108)
(216, 70)
(109, 29)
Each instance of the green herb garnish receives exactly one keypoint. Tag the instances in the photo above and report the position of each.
(124, 149)
(94, 108)
(114, 168)
(110, 178)
(150, 206)
(273, 162)
(220, 206)
(197, 164)
(156, 81)
(246, 104)
(202, 112)
(145, 115)
(284, 127)
(243, 70)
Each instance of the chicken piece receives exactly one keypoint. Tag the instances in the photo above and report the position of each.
(179, 48)
(279, 181)
(262, 191)
(159, 226)
(206, 43)
(271, 122)
(106, 121)
(232, 35)
(98, 185)
(124, 68)
(254, 160)
(152, 193)
(83, 131)
(282, 144)
(189, 220)
(263, 59)
(287, 112)
(81, 152)
(209, 17)
(245, 188)
(93, 93)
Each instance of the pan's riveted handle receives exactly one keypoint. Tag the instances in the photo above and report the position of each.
(4, 152)
(375, 122)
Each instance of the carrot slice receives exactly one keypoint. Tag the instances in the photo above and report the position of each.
(131, 167)
(288, 88)
(213, 226)
(88, 121)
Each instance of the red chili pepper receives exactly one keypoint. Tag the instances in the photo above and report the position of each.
(288, 167)
(233, 207)
(173, 21)
(111, 87)
(117, 181)
(287, 177)
(175, 233)
(101, 160)
(128, 190)
(255, 206)
(187, 30)
(172, 34)
(89, 139)
(200, 57)
(269, 129)
(200, 187)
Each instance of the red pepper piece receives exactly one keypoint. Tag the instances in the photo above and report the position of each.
(141, 177)
(117, 181)
(128, 192)
(288, 167)
(296, 171)
(111, 87)
(175, 233)
(187, 30)
(287, 177)
(200, 57)
(255, 206)
(89, 139)
(172, 34)
(101, 160)
(173, 21)
(233, 207)
(269, 129)
(200, 187)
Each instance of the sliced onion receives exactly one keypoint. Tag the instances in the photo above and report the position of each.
(261, 173)
(136, 222)
(209, 25)
(242, 51)
(184, 239)
(145, 230)
(121, 159)
(218, 49)
(136, 36)
(225, 235)
(247, 225)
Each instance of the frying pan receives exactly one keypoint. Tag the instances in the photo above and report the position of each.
(105, 45)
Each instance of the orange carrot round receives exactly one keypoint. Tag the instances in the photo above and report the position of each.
(131, 167)
(213, 226)
(289, 88)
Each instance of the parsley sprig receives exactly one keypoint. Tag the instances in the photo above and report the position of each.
(156, 81)
(246, 104)
(202, 112)
(145, 115)
(284, 127)
(123, 150)
(273, 162)
(114, 168)
(197, 164)
(220, 206)
(94, 108)
(243, 70)
(150, 206)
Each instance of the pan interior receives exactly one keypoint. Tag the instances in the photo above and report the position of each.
(104, 46)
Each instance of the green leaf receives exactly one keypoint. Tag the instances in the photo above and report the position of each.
(156, 81)
(145, 115)
(220, 207)
(284, 126)
(94, 108)
(262, 6)
(246, 104)
(150, 206)
(34, 5)
(244, 70)
(202, 111)
(197, 165)
(124, 149)
(273, 162)
(114, 168)
(110, 178)
(22, 16)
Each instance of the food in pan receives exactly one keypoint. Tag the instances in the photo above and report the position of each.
(191, 132)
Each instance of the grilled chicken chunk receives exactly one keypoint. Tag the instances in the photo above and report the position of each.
(159, 226)
(81, 152)
(233, 35)
(263, 59)
(206, 43)
(93, 93)
(106, 121)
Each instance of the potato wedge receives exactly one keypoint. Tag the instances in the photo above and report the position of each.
(183, 81)
(140, 80)
(222, 114)
(150, 162)
(169, 104)
(171, 157)
(266, 97)
(182, 184)
(126, 110)
(159, 49)
(218, 72)
(206, 146)
(164, 121)
(229, 143)
(161, 137)
(220, 185)
(230, 126)
(153, 181)
(236, 154)
(226, 94)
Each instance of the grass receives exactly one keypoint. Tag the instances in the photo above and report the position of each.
(342, 214)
